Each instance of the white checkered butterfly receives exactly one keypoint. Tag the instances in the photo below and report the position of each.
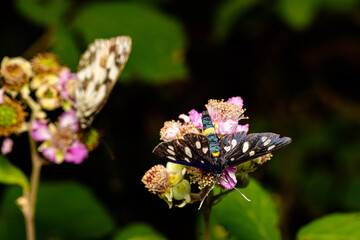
(99, 68)
(213, 155)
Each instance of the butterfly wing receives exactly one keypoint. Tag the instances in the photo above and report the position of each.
(98, 70)
(238, 147)
(193, 151)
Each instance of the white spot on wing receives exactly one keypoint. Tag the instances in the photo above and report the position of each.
(198, 145)
(205, 149)
(233, 143)
(188, 151)
(271, 147)
(171, 147)
(171, 158)
(245, 147)
(267, 142)
(171, 152)
(263, 139)
(251, 153)
(186, 159)
(227, 148)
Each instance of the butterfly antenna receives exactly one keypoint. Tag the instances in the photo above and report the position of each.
(211, 188)
(233, 187)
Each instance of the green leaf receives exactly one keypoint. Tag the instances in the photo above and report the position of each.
(248, 220)
(342, 5)
(351, 197)
(10, 174)
(158, 40)
(65, 210)
(299, 14)
(229, 12)
(138, 231)
(344, 226)
(66, 49)
(44, 13)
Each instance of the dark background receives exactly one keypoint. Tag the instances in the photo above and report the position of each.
(300, 82)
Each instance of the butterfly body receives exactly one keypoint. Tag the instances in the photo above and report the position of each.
(98, 70)
(209, 153)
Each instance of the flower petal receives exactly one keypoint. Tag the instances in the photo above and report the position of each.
(68, 119)
(228, 179)
(242, 128)
(227, 127)
(195, 117)
(40, 131)
(77, 153)
(237, 100)
(52, 154)
(2, 90)
(6, 146)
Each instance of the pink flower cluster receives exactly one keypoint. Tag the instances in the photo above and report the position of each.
(225, 117)
(59, 142)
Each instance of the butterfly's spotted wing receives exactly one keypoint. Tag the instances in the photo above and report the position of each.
(98, 70)
(238, 147)
(193, 151)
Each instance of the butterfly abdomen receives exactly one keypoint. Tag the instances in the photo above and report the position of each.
(209, 132)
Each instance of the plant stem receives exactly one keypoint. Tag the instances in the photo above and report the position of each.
(37, 163)
(207, 207)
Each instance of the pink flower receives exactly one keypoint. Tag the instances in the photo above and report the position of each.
(195, 118)
(77, 153)
(2, 90)
(236, 100)
(66, 84)
(226, 115)
(40, 131)
(59, 141)
(6, 146)
(228, 179)
(242, 128)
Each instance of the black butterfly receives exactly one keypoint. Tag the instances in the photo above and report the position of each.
(193, 150)
(210, 154)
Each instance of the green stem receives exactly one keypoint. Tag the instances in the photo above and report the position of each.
(207, 207)
(30, 196)
(27, 202)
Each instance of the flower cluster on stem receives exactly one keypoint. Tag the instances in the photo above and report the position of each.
(37, 97)
(225, 117)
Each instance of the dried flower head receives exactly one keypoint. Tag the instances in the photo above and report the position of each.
(46, 63)
(261, 160)
(16, 72)
(48, 96)
(156, 179)
(170, 130)
(201, 177)
(91, 139)
(12, 116)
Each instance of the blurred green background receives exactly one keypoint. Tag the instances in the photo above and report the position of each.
(295, 63)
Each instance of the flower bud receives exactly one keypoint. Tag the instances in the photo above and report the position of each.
(16, 72)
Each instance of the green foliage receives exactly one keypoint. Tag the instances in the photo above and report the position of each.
(44, 13)
(235, 217)
(345, 226)
(230, 12)
(158, 41)
(65, 210)
(298, 13)
(138, 231)
(10, 174)
(66, 48)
